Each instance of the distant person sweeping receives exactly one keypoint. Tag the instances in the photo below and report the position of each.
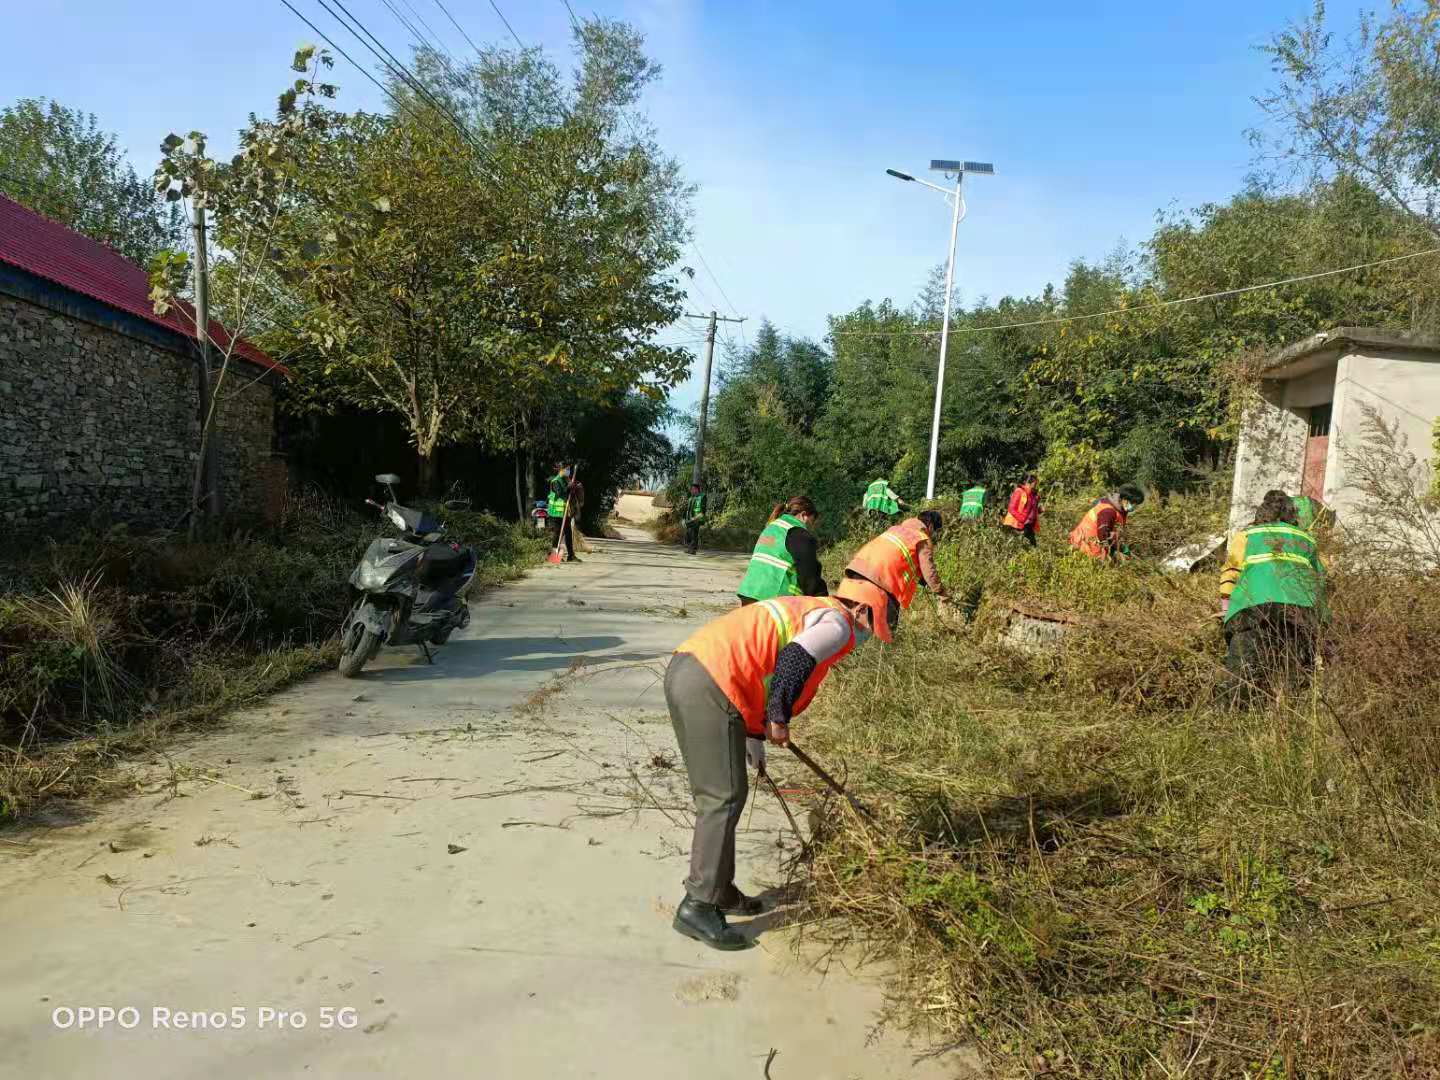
(560, 509)
(742, 677)
(694, 518)
(786, 561)
(902, 558)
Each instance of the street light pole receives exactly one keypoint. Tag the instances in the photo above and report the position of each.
(944, 338)
(959, 168)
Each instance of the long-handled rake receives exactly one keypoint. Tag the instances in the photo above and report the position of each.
(830, 782)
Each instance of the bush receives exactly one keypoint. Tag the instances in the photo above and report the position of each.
(1089, 866)
(116, 634)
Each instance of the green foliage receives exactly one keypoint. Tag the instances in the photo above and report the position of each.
(59, 162)
(1084, 865)
(101, 634)
(1129, 390)
(1364, 105)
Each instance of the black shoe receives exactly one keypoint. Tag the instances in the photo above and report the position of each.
(706, 924)
(737, 903)
(572, 558)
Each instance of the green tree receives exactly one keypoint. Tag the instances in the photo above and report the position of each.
(59, 162)
(1367, 106)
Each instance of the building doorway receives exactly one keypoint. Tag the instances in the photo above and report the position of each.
(1317, 448)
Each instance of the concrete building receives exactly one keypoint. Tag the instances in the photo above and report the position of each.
(101, 416)
(1313, 416)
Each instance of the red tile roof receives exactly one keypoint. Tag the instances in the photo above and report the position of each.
(61, 255)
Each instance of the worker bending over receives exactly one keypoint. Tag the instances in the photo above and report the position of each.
(1100, 533)
(1272, 595)
(880, 499)
(902, 558)
(786, 560)
(1022, 516)
(972, 503)
(746, 675)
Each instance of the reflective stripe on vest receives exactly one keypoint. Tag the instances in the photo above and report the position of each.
(739, 650)
(768, 574)
(555, 502)
(1086, 535)
(877, 497)
(877, 560)
(972, 502)
(1279, 568)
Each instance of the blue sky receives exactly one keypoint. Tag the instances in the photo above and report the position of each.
(786, 115)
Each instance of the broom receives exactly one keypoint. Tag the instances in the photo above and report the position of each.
(554, 556)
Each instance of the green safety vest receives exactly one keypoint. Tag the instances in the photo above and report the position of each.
(555, 501)
(878, 497)
(1280, 567)
(772, 570)
(697, 507)
(972, 502)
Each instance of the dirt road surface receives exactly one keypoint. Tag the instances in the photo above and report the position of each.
(480, 858)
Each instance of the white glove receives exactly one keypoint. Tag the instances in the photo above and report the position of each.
(755, 753)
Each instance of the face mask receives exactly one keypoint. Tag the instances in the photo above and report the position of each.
(861, 636)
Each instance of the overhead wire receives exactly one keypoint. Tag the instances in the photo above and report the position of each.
(441, 5)
(506, 21)
(1217, 295)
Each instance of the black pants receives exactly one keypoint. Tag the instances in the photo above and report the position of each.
(1267, 647)
(569, 536)
(692, 536)
(1028, 533)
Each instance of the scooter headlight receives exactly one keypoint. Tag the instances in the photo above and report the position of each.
(372, 578)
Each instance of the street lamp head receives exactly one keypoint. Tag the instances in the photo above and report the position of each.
(899, 175)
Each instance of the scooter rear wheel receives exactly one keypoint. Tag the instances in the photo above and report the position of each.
(359, 645)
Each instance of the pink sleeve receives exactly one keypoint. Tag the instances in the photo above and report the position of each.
(928, 570)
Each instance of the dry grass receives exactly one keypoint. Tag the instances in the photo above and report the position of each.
(108, 642)
(1090, 868)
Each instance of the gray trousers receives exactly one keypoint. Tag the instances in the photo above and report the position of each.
(711, 734)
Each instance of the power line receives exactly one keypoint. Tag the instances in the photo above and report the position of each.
(1142, 307)
(440, 4)
(506, 21)
(396, 100)
(399, 70)
(434, 37)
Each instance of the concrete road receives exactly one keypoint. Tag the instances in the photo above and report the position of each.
(466, 869)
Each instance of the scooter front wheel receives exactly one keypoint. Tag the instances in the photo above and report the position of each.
(359, 644)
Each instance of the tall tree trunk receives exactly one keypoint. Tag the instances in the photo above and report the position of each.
(519, 488)
(425, 472)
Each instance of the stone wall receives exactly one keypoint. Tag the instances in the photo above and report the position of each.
(97, 422)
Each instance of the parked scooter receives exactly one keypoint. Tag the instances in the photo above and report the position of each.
(412, 589)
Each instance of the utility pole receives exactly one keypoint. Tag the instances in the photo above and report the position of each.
(705, 392)
(957, 214)
(205, 483)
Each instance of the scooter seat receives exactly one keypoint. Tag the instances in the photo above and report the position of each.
(440, 562)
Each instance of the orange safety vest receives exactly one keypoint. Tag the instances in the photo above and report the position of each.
(892, 560)
(739, 651)
(1086, 535)
(1025, 499)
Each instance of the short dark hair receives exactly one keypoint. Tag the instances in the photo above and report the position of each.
(932, 520)
(1276, 506)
